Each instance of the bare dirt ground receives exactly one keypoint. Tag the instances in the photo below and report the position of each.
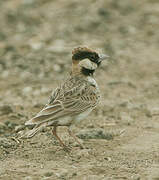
(36, 39)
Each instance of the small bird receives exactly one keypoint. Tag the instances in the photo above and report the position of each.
(74, 99)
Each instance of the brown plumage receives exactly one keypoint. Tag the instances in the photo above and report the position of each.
(74, 99)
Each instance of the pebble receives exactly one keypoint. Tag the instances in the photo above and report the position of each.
(48, 174)
(57, 68)
(108, 159)
(36, 46)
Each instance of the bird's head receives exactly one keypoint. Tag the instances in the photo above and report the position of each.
(86, 60)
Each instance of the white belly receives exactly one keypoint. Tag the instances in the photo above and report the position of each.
(92, 81)
(83, 115)
(64, 121)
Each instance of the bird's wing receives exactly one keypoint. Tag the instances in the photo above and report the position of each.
(69, 99)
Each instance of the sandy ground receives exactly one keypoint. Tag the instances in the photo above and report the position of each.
(36, 39)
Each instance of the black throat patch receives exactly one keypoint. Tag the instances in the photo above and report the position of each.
(87, 72)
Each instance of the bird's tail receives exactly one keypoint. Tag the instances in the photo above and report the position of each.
(33, 132)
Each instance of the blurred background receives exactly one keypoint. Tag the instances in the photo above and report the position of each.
(36, 40)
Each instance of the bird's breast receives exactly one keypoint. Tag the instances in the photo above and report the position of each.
(92, 81)
(82, 115)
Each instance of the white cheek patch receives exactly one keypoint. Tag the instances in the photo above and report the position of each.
(86, 63)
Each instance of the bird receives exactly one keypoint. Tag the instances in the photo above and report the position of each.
(73, 99)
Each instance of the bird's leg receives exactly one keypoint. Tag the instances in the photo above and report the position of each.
(74, 137)
(55, 134)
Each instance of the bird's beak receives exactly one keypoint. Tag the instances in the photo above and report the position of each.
(103, 57)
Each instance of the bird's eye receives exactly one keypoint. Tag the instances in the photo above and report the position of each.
(92, 56)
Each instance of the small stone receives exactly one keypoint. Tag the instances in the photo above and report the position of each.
(74, 174)
(36, 46)
(57, 68)
(48, 174)
(108, 159)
